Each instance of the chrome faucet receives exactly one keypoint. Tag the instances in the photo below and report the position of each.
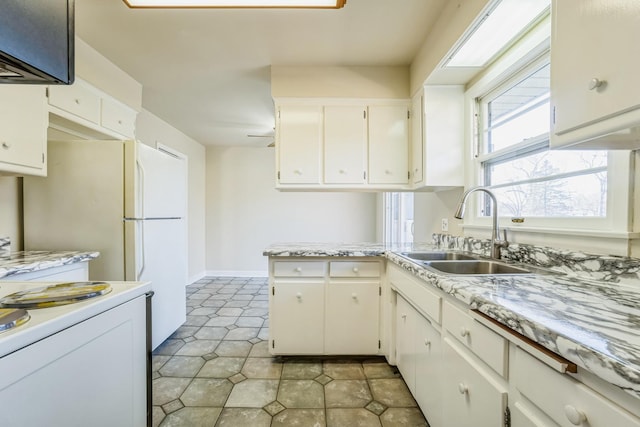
(496, 243)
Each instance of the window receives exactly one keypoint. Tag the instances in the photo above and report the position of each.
(514, 160)
(398, 223)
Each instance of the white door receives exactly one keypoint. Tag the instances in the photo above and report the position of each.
(345, 144)
(162, 260)
(160, 184)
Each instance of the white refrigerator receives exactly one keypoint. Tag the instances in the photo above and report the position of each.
(126, 200)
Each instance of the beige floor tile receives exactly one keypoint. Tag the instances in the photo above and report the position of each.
(244, 417)
(341, 370)
(403, 417)
(347, 394)
(221, 367)
(207, 392)
(234, 348)
(391, 392)
(301, 394)
(262, 367)
(301, 370)
(300, 418)
(198, 348)
(192, 417)
(181, 366)
(352, 418)
(253, 394)
(167, 389)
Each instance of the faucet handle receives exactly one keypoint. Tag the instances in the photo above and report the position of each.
(505, 242)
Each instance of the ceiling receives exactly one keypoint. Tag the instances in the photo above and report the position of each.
(207, 71)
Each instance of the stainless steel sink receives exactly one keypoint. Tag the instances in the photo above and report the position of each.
(438, 256)
(476, 267)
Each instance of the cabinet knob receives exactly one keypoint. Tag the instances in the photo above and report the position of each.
(77, 101)
(404, 317)
(574, 416)
(355, 269)
(464, 332)
(298, 269)
(427, 343)
(596, 83)
(342, 171)
(463, 388)
(299, 295)
(387, 171)
(354, 295)
(6, 145)
(119, 122)
(298, 171)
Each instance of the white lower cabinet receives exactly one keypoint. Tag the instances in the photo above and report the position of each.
(470, 396)
(324, 307)
(352, 310)
(297, 317)
(419, 359)
(51, 383)
(78, 272)
(562, 399)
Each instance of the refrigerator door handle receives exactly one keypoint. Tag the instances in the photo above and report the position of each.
(142, 264)
(140, 188)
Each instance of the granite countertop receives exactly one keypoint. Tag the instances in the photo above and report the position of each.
(27, 261)
(592, 322)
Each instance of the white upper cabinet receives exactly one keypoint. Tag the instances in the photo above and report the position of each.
(345, 144)
(82, 110)
(342, 144)
(594, 91)
(23, 130)
(437, 138)
(299, 137)
(389, 144)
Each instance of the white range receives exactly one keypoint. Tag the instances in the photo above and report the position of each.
(71, 365)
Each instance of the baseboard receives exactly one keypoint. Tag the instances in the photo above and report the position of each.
(231, 273)
(196, 277)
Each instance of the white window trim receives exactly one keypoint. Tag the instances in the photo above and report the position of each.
(610, 234)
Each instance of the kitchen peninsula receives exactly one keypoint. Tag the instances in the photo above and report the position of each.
(532, 340)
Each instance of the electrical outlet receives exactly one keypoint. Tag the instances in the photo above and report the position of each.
(445, 224)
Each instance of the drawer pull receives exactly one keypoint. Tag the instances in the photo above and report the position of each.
(464, 332)
(463, 388)
(427, 343)
(6, 145)
(404, 317)
(355, 269)
(77, 101)
(354, 295)
(574, 416)
(298, 171)
(299, 295)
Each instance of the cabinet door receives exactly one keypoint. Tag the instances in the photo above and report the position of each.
(405, 342)
(80, 99)
(428, 392)
(352, 321)
(593, 40)
(23, 129)
(297, 317)
(417, 137)
(471, 397)
(345, 144)
(299, 133)
(388, 144)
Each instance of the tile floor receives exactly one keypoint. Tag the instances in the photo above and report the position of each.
(216, 371)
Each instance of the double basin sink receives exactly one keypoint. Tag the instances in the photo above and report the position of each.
(458, 263)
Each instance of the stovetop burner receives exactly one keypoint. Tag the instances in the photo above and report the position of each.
(12, 317)
(55, 295)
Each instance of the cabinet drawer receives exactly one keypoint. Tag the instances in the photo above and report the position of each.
(299, 268)
(118, 117)
(565, 400)
(354, 269)
(486, 344)
(79, 99)
(417, 292)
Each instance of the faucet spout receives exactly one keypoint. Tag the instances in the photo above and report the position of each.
(496, 242)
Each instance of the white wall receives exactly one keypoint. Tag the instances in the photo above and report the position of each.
(245, 213)
(150, 130)
(11, 210)
(430, 208)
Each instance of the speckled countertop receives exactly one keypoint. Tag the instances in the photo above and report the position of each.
(12, 263)
(590, 315)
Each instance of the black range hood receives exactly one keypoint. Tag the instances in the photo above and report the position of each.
(37, 41)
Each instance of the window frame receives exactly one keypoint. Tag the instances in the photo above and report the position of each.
(508, 71)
